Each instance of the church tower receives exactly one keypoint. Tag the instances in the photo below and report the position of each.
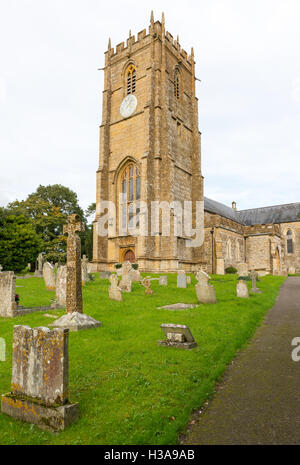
(149, 152)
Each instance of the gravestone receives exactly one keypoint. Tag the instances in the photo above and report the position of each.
(8, 304)
(178, 306)
(84, 271)
(49, 276)
(292, 270)
(188, 280)
(178, 336)
(205, 291)
(163, 280)
(181, 279)
(125, 283)
(40, 379)
(242, 289)
(114, 291)
(1, 268)
(39, 266)
(61, 286)
(134, 275)
(74, 320)
(146, 282)
(253, 276)
(242, 269)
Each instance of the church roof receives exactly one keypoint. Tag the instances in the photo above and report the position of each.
(213, 206)
(285, 213)
(265, 215)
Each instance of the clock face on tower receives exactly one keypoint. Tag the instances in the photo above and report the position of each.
(128, 106)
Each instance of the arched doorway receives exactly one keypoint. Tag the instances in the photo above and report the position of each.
(129, 256)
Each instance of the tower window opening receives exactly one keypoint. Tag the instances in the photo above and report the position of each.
(131, 80)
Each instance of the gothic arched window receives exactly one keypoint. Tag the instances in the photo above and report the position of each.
(131, 79)
(129, 197)
(289, 241)
(177, 83)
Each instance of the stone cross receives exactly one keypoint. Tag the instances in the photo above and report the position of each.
(253, 276)
(146, 282)
(40, 377)
(74, 283)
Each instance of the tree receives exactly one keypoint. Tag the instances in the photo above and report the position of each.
(87, 243)
(48, 209)
(19, 242)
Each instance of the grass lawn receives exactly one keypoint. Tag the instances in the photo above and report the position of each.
(131, 390)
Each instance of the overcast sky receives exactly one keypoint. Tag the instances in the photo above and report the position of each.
(247, 57)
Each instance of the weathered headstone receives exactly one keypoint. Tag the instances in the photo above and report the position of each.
(188, 280)
(205, 291)
(114, 291)
(61, 286)
(49, 276)
(125, 283)
(146, 282)
(178, 336)
(242, 269)
(292, 270)
(134, 275)
(84, 271)
(74, 320)
(39, 266)
(40, 378)
(253, 276)
(163, 280)
(181, 279)
(242, 289)
(8, 304)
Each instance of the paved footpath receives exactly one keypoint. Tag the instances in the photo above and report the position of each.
(258, 401)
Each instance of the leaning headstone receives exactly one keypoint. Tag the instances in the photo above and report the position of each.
(74, 320)
(178, 336)
(40, 379)
(84, 271)
(253, 276)
(163, 280)
(125, 283)
(49, 276)
(242, 289)
(146, 282)
(205, 291)
(8, 304)
(181, 279)
(61, 285)
(242, 269)
(39, 266)
(114, 291)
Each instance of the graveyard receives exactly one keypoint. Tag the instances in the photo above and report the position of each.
(129, 388)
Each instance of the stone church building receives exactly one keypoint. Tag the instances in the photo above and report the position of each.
(150, 151)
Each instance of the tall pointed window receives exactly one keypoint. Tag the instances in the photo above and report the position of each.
(129, 198)
(289, 241)
(177, 83)
(131, 79)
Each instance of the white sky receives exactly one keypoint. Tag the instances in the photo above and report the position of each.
(247, 54)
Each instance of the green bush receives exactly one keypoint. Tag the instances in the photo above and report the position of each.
(135, 266)
(230, 270)
(118, 265)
